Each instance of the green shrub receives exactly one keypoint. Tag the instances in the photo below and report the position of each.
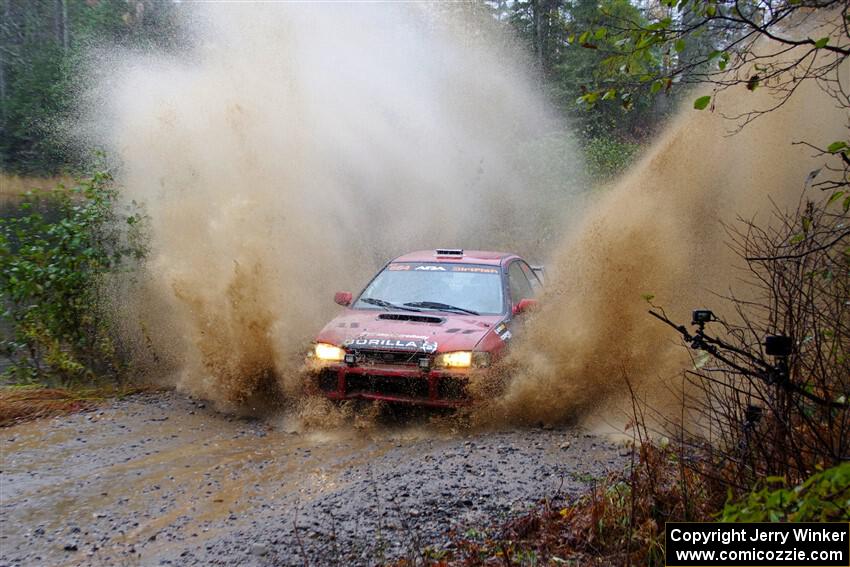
(823, 497)
(607, 157)
(57, 255)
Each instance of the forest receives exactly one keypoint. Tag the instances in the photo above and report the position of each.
(44, 43)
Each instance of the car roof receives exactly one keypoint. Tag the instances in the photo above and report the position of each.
(469, 257)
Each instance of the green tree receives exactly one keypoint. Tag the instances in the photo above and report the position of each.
(42, 46)
(772, 44)
(571, 41)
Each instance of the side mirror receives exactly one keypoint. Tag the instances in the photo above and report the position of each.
(343, 298)
(524, 305)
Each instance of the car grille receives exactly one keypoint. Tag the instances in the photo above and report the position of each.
(388, 357)
(416, 387)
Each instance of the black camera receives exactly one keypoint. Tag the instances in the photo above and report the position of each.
(752, 414)
(777, 345)
(701, 317)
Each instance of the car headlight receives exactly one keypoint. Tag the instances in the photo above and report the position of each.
(324, 351)
(462, 359)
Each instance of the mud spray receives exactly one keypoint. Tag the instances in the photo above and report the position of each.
(659, 232)
(296, 147)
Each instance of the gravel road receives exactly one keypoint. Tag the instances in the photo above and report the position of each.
(160, 479)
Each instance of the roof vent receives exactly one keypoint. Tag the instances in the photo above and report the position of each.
(450, 252)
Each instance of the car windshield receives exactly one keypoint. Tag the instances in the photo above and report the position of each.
(458, 287)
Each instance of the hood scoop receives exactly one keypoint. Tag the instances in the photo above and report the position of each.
(410, 317)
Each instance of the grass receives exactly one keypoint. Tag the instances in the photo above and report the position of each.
(24, 403)
(620, 521)
(16, 184)
(12, 186)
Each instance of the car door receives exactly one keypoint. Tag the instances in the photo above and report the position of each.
(519, 287)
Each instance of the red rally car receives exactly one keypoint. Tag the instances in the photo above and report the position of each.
(423, 323)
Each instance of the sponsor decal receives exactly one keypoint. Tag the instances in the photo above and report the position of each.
(443, 268)
(475, 269)
(502, 331)
(392, 344)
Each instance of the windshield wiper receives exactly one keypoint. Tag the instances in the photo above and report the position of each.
(386, 304)
(440, 306)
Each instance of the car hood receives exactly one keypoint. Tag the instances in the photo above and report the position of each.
(407, 330)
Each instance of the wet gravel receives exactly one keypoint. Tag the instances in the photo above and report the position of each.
(160, 479)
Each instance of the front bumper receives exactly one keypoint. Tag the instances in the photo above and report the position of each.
(405, 385)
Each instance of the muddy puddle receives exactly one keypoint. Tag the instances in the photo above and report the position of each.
(160, 479)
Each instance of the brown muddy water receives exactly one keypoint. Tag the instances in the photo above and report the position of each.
(161, 479)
